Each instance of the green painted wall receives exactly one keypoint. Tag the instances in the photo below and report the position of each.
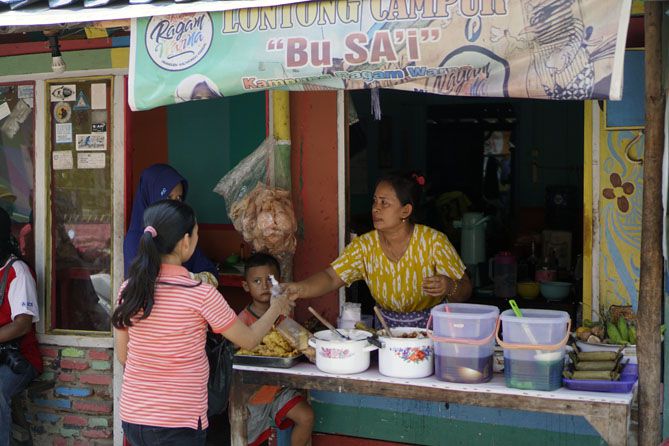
(208, 138)
(425, 430)
(41, 63)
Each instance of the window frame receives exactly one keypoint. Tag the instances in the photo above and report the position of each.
(50, 279)
(42, 220)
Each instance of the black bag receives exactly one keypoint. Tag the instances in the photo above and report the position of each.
(10, 355)
(219, 352)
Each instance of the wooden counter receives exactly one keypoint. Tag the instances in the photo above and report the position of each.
(608, 413)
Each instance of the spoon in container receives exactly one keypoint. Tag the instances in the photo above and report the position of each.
(526, 328)
(383, 321)
(328, 325)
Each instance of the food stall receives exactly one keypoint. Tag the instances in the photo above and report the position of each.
(301, 53)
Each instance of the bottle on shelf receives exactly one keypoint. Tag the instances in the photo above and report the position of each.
(553, 260)
(532, 262)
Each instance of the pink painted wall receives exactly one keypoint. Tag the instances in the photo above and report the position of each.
(313, 117)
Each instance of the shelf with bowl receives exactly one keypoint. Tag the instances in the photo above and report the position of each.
(528, 290)
(555, 291)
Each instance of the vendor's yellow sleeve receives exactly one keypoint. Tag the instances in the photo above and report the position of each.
(397, 286)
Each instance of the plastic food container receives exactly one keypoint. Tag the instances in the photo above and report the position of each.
(464, 339)
(534, 348)
(342, 357)
(346, 323)
(296, 335)
(628, 377)
(406, 357)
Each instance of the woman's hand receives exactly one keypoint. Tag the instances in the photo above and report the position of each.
(294, 290)
(438, 285)
(249, 337)
(317, 285)
(283, 304)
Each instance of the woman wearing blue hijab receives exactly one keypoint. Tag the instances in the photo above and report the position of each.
(160, 182)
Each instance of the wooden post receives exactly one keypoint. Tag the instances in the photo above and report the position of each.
(237, 410)
(650, 288)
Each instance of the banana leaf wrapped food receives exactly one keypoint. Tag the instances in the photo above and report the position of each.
(596, 365)
(597, 375)
(597, 356)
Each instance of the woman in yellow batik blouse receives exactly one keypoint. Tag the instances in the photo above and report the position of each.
(409, 268)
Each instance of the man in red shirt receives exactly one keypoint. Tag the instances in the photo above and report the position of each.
(20, 360)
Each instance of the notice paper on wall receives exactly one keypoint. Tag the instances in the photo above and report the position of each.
(4, 110)
(26, 92)
(98, 96)
(63, 93)
(62, 160)
(64, 133)
(12, 124)
(90, 160)
(92, 141)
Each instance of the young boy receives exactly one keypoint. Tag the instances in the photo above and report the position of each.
(288, 408)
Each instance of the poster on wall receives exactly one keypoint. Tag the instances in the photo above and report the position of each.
(4, 110)
(91, 141)
(64, 133)
(492, 48)
(63, 93)
(62, 160)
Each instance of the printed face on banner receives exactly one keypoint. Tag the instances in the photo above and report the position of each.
(176, 42)
(488, 48)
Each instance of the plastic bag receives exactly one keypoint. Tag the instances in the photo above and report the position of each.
(263, 215)
(246, 175)
(219, 353)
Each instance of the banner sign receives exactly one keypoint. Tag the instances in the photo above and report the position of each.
(546, 49)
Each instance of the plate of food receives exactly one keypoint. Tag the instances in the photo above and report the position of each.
(273, 351)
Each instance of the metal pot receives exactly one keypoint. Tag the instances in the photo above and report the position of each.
(339, 356)
(406, 357)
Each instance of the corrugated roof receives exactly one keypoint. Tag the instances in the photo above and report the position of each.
(58, 12)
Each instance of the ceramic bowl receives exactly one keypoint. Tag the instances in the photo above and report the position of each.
(555, 291)
(528, 290)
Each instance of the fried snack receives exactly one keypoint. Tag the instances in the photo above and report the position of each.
(274, 341)
(266, 220)
(273, 344)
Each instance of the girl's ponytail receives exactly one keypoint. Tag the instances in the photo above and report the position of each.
(167, 222)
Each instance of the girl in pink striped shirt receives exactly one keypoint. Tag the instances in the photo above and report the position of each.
(160, 327)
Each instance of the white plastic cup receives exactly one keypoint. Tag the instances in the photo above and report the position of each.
(346, 323)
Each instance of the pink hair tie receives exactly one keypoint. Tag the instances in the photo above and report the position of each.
(151, 230)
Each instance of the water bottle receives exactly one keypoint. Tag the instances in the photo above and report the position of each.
(275, 290)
